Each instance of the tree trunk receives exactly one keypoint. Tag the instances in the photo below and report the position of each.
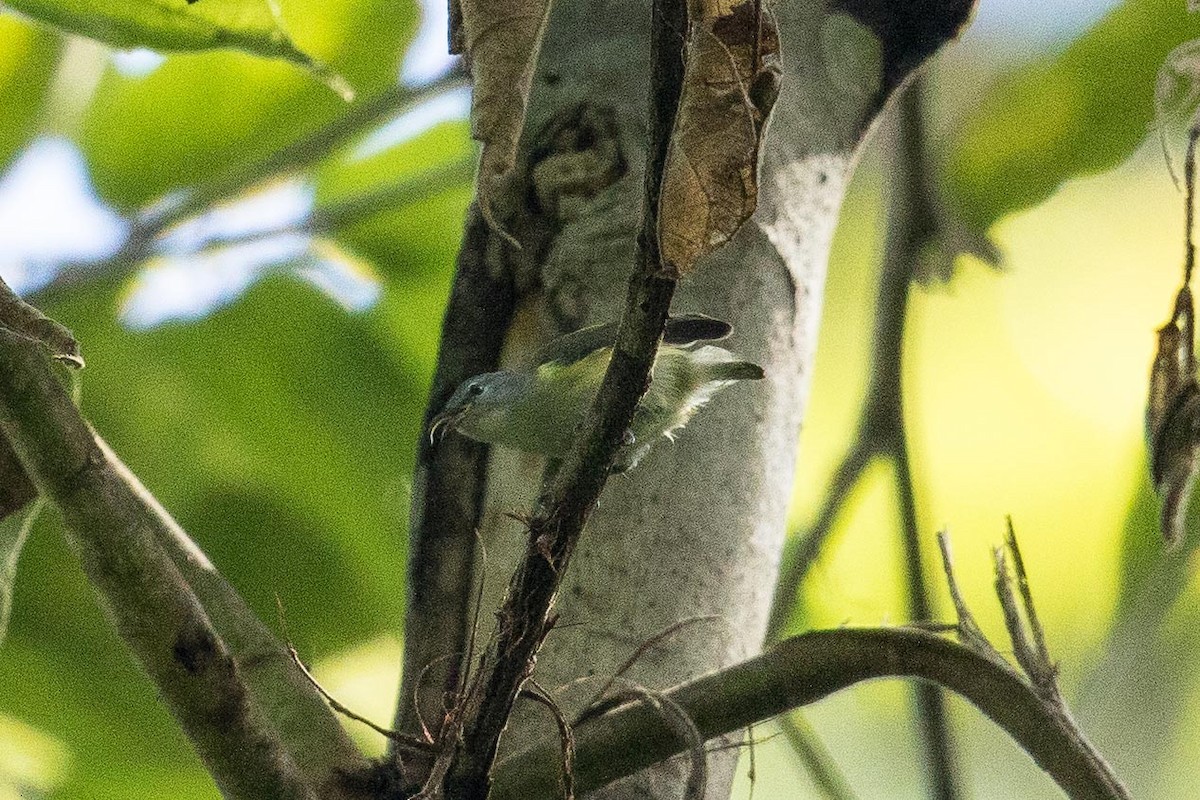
(697, 529)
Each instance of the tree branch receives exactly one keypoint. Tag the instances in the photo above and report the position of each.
(525, 619)
(299, 153)
(449, 484)
(142, 591)
(802, 551)
(821, 766)
(388, 197)
(802, 670)
(309, 729)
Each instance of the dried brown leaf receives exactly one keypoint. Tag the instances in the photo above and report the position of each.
(501, 39)
(1173, 417)
(710, 179)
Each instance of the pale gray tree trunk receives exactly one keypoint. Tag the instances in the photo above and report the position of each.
(697, 529)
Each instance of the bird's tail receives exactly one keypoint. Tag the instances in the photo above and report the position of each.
(721, 365)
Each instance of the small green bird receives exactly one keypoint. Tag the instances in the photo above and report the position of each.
(541, 411)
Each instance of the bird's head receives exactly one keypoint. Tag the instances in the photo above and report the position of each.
(481, 407)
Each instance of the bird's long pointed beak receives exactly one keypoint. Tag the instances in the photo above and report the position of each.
(444, 422)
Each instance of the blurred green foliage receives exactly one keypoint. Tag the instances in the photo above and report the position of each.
(28, 57)
(280, 430)
(199, 115)
(1075, 113)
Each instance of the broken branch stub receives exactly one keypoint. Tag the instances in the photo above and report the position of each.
(27, 322)
(501, 41)
(16, 488)
(710, 181)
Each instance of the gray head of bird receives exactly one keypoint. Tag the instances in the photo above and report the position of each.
(482, 406)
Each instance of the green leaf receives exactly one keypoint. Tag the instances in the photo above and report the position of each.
(1081, 112)
(28, 56)
(178, 25)
(197, 116)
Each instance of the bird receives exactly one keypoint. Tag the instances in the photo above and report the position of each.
(541, 410)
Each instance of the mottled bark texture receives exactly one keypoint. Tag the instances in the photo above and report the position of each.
(697, 529)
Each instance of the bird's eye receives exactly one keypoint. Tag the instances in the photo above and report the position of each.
(475, 389)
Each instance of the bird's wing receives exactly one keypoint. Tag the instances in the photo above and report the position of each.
(682, 330)
(690, 328)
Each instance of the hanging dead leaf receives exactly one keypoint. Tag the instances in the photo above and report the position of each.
(500, 39)
(710, 179)
(24, 320)
(1173, 417)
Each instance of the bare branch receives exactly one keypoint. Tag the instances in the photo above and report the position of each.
(448, 493)
(912, 220)
(802, 670)
(152, 221)
(816, 757)
(403, 741)
(968, 630)
(301, 152)
(312, 734)
(145, 596)
(642, 648)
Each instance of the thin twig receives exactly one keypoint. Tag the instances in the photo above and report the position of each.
(300, 153)
(968, 630)
(155, 219)
(401, 739)
(1189, 177)
(1021, 649)
(804, 550)
(566, 735)
(930, 702)
(1031, 615)
(394, 195)
(556, 527)
(752, 770)
(653, 641)
(387, 198)
(822, 767)
(911, 221)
